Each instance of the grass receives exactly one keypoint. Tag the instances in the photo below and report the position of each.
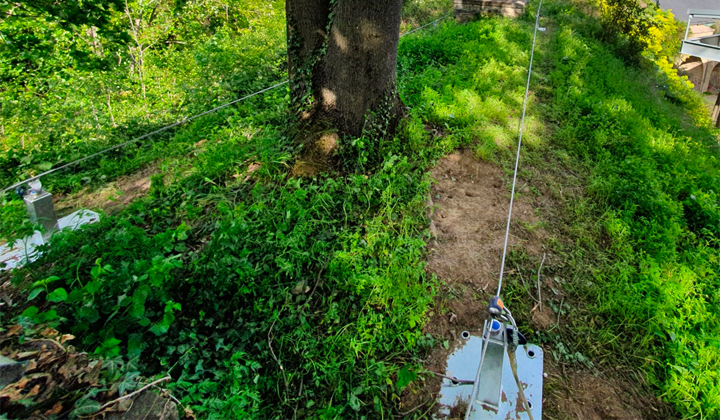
(268, 296)
(653, 168)
(70, 103)
(636, 227)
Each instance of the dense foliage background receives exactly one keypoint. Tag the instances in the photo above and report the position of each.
(76, 77)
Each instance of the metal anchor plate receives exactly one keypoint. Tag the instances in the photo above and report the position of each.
(463, 364)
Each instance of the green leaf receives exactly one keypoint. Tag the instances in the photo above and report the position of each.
(354, 403)
(35, 293)
(75, 295)
(138, 301)
(135, 346)
(93, 286)
(30, 312)
(46, 281)
(113, 367)
(129, 383)
(85, 406)
(45, 166)
(109, 347)
(48, 316)
(405, 376)
(161, 327)
(57, 295)
(89, 313)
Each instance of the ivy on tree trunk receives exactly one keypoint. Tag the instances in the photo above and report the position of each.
(342, 58)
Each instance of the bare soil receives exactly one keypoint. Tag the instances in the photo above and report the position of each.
(112, 197)
(468, 221)
(469, 207)
(581, 395)
(318, 155)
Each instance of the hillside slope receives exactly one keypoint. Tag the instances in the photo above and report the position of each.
(266, 295)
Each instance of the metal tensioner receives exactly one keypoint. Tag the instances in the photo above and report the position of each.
(508, 376)
(499, 391)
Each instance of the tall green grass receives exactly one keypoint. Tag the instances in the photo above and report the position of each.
(643, 264)
(653, 175)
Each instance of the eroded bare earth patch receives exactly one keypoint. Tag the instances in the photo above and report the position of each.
(112, 197)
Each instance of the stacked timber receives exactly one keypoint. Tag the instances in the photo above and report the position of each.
(466, 10)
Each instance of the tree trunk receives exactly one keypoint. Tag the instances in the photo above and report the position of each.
(342, 58)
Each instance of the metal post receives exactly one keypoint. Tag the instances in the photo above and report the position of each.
(39, 204)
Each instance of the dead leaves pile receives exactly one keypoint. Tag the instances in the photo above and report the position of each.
(55, 375)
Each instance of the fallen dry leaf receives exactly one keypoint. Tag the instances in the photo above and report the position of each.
(21, 383)
(189, 413)
(93, 375)
(27, 354)
(34, 391)
(13, 330)
(13, 392)
(49, 332)
(30, 365)
(124, 405)
(66, 337)
(57, 409)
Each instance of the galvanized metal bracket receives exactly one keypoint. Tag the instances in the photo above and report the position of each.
(41, 210)
(497, 393)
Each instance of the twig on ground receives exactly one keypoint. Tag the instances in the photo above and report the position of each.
(298, 401)
(429, 408)
(132, 394)
(153, 406)
(525, 284)
(162, 416)
(560, 310)
(412, 410)
(171, 396)
(318, 279)
(272, 353)
(454, 380)
(538, 286)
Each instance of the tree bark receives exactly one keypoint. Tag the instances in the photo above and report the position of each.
(342, 58)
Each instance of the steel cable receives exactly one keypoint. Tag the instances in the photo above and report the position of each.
(144, 136)
(517, 157)
(486, 336)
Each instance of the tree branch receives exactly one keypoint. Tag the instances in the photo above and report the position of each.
(108, 404)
